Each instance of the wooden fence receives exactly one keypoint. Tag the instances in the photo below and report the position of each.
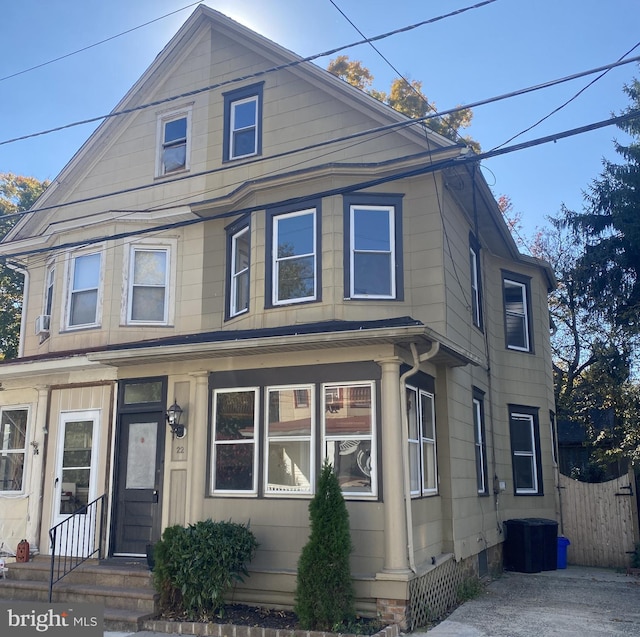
(600, 520)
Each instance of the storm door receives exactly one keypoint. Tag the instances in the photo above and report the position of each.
(75, 482)
(138, 468)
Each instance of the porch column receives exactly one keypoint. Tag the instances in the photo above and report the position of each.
(395, 522)
(35, 452)
(197, 432)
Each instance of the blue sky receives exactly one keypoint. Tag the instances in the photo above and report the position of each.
(485, 52)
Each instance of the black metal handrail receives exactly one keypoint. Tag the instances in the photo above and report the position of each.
(73, 541)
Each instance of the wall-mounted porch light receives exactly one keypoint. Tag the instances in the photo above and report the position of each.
(174, 414)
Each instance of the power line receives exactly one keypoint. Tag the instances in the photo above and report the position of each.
(91, 46)
(422, 170)
(257, 74)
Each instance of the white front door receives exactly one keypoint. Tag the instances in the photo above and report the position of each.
(75, 482)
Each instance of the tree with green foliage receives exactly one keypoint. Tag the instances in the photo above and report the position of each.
(609, 269)
(16, 195)
(324, 593)
(406, 97)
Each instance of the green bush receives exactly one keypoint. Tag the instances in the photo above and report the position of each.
(196, 566)
(324, 592)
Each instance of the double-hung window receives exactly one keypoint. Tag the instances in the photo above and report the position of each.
(294, 265)
(476, 289)
(148, 285)
(480, 442)
(290, 424)
(85, 278)
(235, 443)
(349, 435)
(13, 436)
(422, 442)
(525, 450)
(517, 312)
(243, 123)
(174, 133)
(238, 268)
(373, 258)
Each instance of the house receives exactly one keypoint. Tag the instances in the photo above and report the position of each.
(306, 274)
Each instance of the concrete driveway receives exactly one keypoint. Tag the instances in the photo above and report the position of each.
(581, 601)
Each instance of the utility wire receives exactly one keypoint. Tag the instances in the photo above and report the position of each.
(448, 163)
(91, 46)
(245, 77)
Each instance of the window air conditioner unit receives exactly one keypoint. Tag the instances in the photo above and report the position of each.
(42, 324)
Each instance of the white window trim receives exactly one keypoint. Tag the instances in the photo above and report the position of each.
(311, 438)
(515, 416)
(524, 315)
(430, 441)
(372, 437)
(170, 247)
(235, 276)
(49, 284)
(475, 287)
(392, 252)
(276, 260)
(255, 440)
(480, 445)
(162, 119)
(15, 451)
(68, 291)
(233, 130)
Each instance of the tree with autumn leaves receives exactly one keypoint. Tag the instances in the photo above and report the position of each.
(17, 194)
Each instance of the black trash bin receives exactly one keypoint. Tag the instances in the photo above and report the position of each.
(531, 545)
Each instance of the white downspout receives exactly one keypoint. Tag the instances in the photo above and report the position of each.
(434, 349)
(25, 296)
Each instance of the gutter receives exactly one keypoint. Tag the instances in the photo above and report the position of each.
(25, 296)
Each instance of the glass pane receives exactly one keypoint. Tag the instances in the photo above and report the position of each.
(372, 273)
(242, 292)
(371, 230)
(135, 393)
(426, 406)
(296, 278)
(76, 458)
(11, 469)
(147, 304)
(75, 489)
(175, 130)
(86, 272)
(244, 142)
(244, 114)
(413, 414)
(235, 415)
(289, 466)
(289, 413)
(174, 157)
(523, 469)
(352, 463)
(150, 267)
(234, 467)
(516, 330)
(348, 410)
(83, 307)
(13, 429)
(513, 298)
(414, 466)
(78, 436)
(241, 252)
(295, 235)
(429, 465)
(141, 455)
(521, 438)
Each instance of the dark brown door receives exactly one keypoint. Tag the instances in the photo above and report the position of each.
(139, 458)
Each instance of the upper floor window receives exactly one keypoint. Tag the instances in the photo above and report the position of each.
(48, 290)
(294, 268)
(85, 279)
(13, 447)
(476, 290)
(148, 281)
(174, 132)
(238, 246)
(373, 240)
(517, 312)
(525, 450)
(480, 442)
(243, 122)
